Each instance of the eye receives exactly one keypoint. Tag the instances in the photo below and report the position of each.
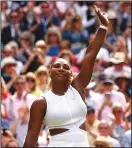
(66, 67)
(56, 65)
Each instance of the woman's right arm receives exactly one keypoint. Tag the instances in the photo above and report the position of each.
(37, 113)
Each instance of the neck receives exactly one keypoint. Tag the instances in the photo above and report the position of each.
(118, 121)
(91, 122)
(59, 89)
(19, 94)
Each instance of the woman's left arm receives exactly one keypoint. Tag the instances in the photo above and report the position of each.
(83, 78)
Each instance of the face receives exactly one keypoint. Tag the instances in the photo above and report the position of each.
(108, 87)
(60, 71)
(45, 9)
(20, 85)
(30, 83)
(52, 38)
(119, 66)
(43, 77)
(14, 17)
(9, 68)
(118, 113)
(103, 129)
(78, 25)
(91, 115)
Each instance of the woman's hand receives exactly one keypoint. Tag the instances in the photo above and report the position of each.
(102, 16)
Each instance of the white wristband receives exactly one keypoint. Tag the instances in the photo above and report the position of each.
(103, 27)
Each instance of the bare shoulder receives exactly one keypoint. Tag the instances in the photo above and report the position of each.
(39, 105)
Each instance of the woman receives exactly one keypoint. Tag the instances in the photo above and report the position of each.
(32, 84)
(42, 78)
(58, 111)
(119, 125)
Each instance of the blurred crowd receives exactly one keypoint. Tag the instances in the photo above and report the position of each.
(34, 34)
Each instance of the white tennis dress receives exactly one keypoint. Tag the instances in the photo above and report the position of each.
(67, 111)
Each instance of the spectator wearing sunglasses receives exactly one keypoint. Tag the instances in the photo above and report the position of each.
(32, 84)
(105, 130)
(9, 72)
(21, 96)
(119, 124)
(42, 78)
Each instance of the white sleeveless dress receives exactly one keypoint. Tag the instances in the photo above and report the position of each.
(67, 111)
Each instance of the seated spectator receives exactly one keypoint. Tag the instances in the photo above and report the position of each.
(53, 39)
(76, 35)
(11, 52)
(91, 125)
(32, 84)
(101, 141)
(25, 41)
(42, 78)
(9, 72)
(105, 130)
(66, 23)
(119, 66)
(21, 96)
(119, 125)
(13, 30)
(20, 126)
(109, 97)
(43, 46)
(123, 82)
(6, 136)
(126, 140)
(36, 59)
(12, 144)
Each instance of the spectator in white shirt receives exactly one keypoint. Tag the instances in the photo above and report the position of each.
(104, 130)
(119, 66)
(21, 96)
(109, 97)
(20, 126)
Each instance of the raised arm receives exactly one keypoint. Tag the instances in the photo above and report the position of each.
(37, 113)
(85, 74)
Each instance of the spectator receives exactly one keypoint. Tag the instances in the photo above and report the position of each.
(42, 78)
(43, 46)
(9, 51)
(123, 82)
(76, 35)
(26, 41)
(119, 125)
(13, 30)
(101, 141)
(32, 85)
(19, 127)
(105, 130)
(109, 97)
(126, 140)
(6, 136)
(12, 143)
(91, 125)
(21, 96)
(119, 66)
(9, 72)
(36, 59)
(53, 38)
